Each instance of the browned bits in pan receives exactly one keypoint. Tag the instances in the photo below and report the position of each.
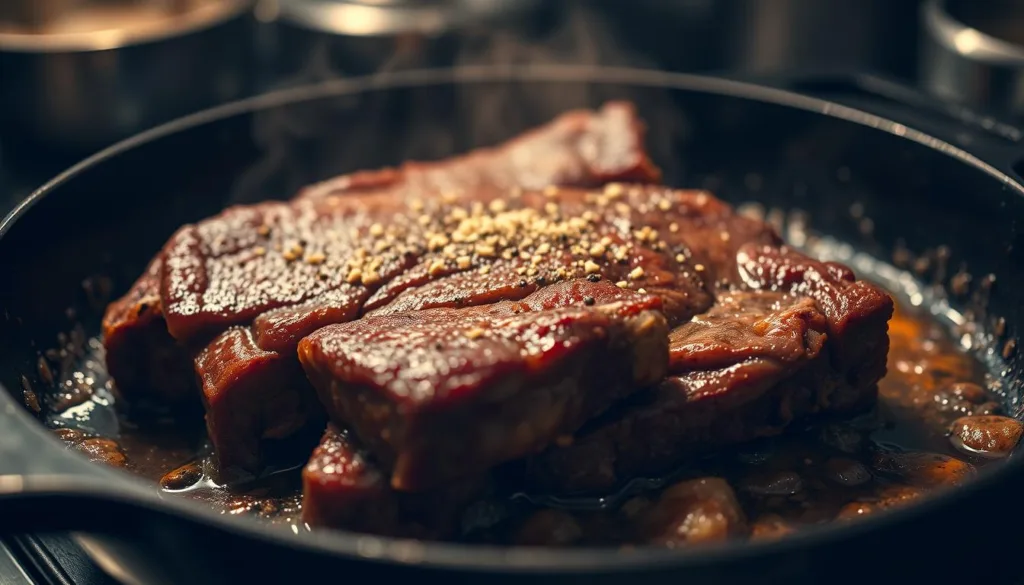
(183, 477)
(693, 512)
(550, 528)
(986, 436)
(103, 451)
(1009, 349)
(847, 472)
(999, 329)
(45, 373)
(960, 283)
(70, 436)
(770, 527)
(924, 469)
(30, 396)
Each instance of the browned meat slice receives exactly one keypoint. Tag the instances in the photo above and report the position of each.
(448, 252)
(147, 363)
(297, 266)
(320, 261)
(814, 342)
(442, 394)
(250, 394)
(343, 488)
(673, 243)
(857, 312)
(579, 148)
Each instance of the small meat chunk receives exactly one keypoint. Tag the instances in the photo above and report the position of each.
(441, 394)
(766, 368)
(770, 527)
(250, 395)
(698, 511)
(889, 497)
(146, 363)
(583, 148)
(990, 436)
(103, 450)
(343, 488)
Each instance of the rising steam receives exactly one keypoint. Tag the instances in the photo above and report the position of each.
(315, 140)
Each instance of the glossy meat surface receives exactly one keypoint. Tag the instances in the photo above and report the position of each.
(442, 394)
(147, 363)
(754, 364)
(294, 267)
(579, 148)
(250, 394)
(315, 262)
(586, 148)
(539, 305)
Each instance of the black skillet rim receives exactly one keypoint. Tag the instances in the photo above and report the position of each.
(367, 548)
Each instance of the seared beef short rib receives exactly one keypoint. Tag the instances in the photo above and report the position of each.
(583, 148)
(442, 394)
(804, 338)
(541, 305)
(343, 487)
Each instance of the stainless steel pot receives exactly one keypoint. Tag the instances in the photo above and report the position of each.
(81, 74)
(772, 37)
(314, 40)
(972, 52)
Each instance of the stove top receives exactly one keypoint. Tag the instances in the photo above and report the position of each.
(11, 569)
(52, 559)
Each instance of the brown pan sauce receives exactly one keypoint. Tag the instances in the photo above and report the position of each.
(935, 425)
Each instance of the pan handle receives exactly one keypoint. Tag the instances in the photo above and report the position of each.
(44, 487)
(58, 503)
(129, 540)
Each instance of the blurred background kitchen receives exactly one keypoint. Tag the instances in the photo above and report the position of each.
(77, 75)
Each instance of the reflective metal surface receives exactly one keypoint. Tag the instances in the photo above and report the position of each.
(11, 571)
(973, 53)
(390, 17)
(91, 77)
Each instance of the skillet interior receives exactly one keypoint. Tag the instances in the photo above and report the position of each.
(109, 218)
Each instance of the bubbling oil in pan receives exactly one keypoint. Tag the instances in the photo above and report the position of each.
(934, 426)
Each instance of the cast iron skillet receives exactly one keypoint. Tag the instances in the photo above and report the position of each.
(109, 214)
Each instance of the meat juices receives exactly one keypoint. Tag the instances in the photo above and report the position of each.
(510, 304)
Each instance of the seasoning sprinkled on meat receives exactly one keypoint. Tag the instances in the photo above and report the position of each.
(583, 148)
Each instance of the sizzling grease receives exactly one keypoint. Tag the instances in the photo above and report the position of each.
(934, 425)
